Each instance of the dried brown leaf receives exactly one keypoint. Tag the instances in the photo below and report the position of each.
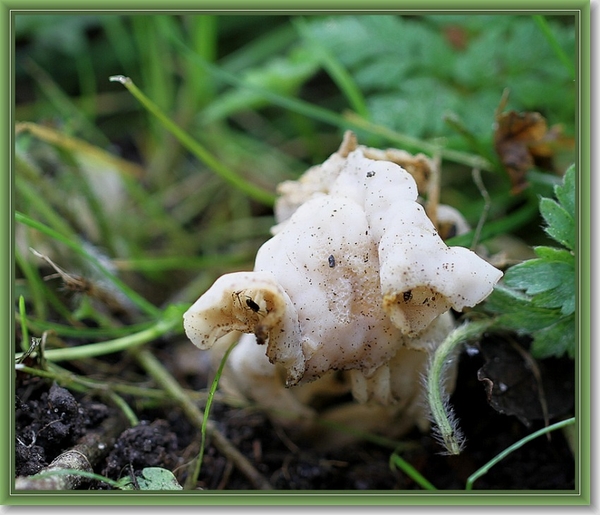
(523, 141)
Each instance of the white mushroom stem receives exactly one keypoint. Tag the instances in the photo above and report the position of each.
(251, 372)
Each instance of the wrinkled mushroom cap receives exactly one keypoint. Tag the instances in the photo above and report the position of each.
(355, 278)
(249, 302)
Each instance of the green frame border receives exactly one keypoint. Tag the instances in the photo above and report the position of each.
(580, 8)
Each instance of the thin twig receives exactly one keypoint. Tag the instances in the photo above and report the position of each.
(486, 207)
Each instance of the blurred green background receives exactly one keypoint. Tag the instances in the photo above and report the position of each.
(263, 97)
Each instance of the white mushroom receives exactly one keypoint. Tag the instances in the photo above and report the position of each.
(355, 278)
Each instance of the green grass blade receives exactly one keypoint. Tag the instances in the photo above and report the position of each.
(193, 146)
(29, 195)
(211, 395)
(350, 121)
(199, 88)
(336, 71)
(154, 56)
(396, 462)
(104, 226)
(163, 263)
(77, 472)
(264, 46)
(503, 225)
(40, 325)
(409, 142)
(87, 84)
(64, 106)
(24, 328)
(124, 407)
(485, 469)
(171, 320)
(35, 285)
(299, 106)
(118, 35)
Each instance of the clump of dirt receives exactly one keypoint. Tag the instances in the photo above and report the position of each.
(47, 421)
(149, 444)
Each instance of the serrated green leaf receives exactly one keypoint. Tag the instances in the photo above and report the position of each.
(530, 320)
(566, 193)
(538, 275)
(555, 340)
(561, 225)
(547, 310)
(504, 299)
(520, 314)
(563, 297)
(550, 283)
(554, 254)
(517, 312)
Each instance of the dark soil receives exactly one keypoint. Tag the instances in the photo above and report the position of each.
(50, 419)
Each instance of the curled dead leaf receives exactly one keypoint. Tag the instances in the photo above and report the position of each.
(523, 141)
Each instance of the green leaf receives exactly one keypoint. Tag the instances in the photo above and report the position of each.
(552, 331)
(538, 296)
(399, 58)
(550, 283)
(504, 299)
(560, 216)
(283, 75)
(154, 478)
(566, 193)
(555, 340)
(561, 225)
(528, 321)
(554, 254)
(538, 275)
(516, 312)
(563, 297)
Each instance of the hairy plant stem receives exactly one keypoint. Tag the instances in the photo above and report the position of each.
(438, 399)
